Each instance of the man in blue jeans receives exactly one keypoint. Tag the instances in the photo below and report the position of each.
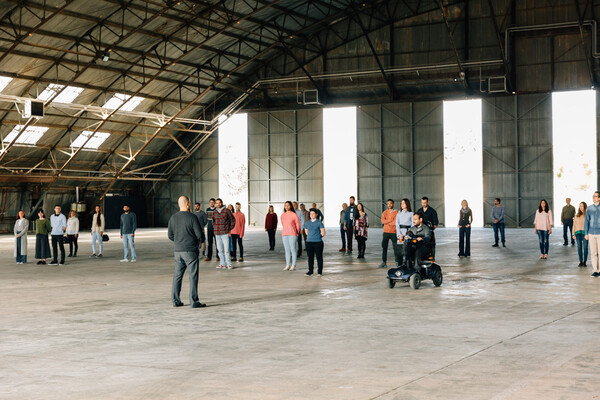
(128, 226)
(185, 233)
(498, 222)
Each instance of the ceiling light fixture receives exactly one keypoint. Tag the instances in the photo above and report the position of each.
(106, 55)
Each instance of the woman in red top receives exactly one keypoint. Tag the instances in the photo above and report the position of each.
(237, 233)
(271, 227)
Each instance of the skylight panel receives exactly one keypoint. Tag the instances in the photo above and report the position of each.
(119, 98)
(68, 95)
(4, 81)
(31, 135)
(93, 143)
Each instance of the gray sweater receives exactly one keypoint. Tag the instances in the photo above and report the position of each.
(128, 223)
(498, 213)
(185, 232)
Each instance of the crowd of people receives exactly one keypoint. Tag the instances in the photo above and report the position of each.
(63, 230)
(225, 228)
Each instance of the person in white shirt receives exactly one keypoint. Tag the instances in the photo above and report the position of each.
(59, 227)
(97, 232)
(72, 232)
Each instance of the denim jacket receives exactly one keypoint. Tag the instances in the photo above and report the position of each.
(592, 220)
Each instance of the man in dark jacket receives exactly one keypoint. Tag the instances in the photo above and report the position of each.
(184, 231)
(423, 235)
(203, 220)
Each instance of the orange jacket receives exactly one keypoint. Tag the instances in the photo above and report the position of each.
(388, 219)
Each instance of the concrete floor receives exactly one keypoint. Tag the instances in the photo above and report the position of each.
(504, 325)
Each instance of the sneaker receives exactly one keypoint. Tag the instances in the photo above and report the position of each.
(293, 268)
(198, 305)
(62, 263)
(124, 260)
(229, 267)
(580, 264)
(585, 263)
(93, 255)
(308, 274)
(70, 255)
(99, 255)
(495, 245)
(319, 274)
(241, 259)
(503, 244)
(233, 259)
(595, 274)
(133, 260)
(39, 262)
(287, 268)
(53, 263)
(207, 259)
(220, 266)
(565, 244)
(43, 262)
(383, 265)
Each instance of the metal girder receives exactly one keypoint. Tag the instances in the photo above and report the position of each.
(451, 37)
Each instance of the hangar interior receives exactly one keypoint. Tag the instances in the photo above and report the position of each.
(113, 102)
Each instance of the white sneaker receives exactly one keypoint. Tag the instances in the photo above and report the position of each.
(229, 267)
(293, 268)
(124, 260)
(287, 268)
(133, 260)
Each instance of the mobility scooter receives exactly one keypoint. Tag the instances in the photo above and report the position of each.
(414, 269)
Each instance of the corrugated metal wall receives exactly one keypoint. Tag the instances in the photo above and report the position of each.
(400, 155)
(285, 160)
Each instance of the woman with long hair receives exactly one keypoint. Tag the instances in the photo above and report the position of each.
(98, 225)
(271, 227)
(543, 226)
(465, 219)
(361, 225)
(20, 230)
(579, 234)
(404, 220)
(73, 232)
(42, 246)
(291, 228)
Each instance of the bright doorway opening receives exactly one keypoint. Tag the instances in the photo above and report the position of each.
(574, 148)
(340, 176)
(233, 161)
(463, 162)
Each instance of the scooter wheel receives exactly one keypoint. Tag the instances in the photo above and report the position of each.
(437, 278)
(391, 283)
(415, 281)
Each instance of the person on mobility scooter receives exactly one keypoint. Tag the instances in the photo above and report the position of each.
(418, 250)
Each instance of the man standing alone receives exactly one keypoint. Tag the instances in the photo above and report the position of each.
(185, 233)
(566, 216)
(59, 225)
(498, 222)
(128, 226)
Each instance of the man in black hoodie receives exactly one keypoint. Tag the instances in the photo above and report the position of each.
(185, 233)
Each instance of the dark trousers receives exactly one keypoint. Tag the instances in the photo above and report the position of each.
(349, 234)
(362, 244)
(568, 225)
(417, 253)
(312, 249)
(23, 258)
(72, 243)
(57, 240)
(237, 241)
(384, 245)
(343, 235)
(582, 247)
(271, 233)
(464, 241)
(498, 227)
(544, 241)
(211, 241)
(299, 244)
(183, 260)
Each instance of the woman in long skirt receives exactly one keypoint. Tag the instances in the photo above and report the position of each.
(42, 229)
(20, 230)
